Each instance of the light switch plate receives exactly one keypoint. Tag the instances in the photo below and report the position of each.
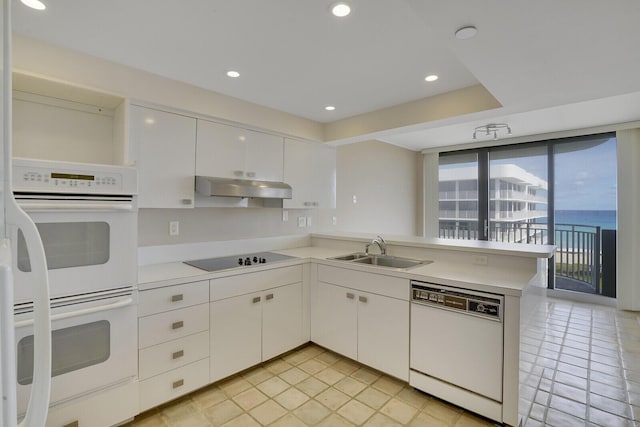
(309, 221)
(285, 216)
(302, 221)
(174, 228)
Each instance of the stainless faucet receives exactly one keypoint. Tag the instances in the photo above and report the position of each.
(381, 244)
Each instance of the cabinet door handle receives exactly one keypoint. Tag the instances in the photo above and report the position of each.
(186, 201)
(177, 298)
(269, 297)
(251, 174)
(350, 295)
(362, 298)
(256, 300)
(177, 325)
(177, 354)
(178, 383)
(238, 173)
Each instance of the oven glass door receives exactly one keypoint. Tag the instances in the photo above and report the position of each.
(93, 347)
(86, 252)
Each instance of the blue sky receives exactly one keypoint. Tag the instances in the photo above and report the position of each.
(585, 179)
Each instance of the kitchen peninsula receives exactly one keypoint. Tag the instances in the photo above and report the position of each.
(307, 284)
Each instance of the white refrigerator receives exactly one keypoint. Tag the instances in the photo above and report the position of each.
(12, 216)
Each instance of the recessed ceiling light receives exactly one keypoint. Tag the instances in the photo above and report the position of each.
(431, 78)
(340, 9)
(233, 74)
(329, 108)
(34, 4)
(467, 32)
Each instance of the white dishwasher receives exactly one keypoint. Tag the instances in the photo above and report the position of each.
(457, 346)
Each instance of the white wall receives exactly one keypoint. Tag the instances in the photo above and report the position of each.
(220, 224)
(628, 237)
(386, 181)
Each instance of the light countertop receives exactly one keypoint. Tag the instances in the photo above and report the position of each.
(481, 278)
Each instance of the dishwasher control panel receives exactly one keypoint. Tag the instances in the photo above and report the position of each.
(471, 302)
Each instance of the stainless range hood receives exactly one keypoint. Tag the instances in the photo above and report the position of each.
(226, 187)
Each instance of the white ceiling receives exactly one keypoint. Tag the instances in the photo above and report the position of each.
(553, 65)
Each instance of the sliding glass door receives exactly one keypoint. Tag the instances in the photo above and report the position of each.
(560, 192)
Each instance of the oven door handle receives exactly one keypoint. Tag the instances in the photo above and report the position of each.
(74, 206)
(81, 312)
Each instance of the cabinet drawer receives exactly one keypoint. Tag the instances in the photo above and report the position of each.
(173, 354)
(375, 283)
(168, 326)
(227, 287)
(172, 384)
(173, 297)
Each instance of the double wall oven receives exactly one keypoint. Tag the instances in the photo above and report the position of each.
(87, 218)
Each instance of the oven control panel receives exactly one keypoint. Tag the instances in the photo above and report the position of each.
(43, 176)
(476, 303)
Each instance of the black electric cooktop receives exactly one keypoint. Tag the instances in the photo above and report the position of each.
(223, 263)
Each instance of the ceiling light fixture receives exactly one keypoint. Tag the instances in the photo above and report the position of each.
(431, 78)
(491, 128)
(329, 108)
(340, 9)
(34, 4)
(233, 74)
(466, 32)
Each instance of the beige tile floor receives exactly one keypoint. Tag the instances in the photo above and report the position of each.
(581, 366)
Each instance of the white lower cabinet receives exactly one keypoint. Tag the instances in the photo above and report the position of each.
(173, 342)
(334, 319)
(281, 320)
(368, 327)
(255, 326)
(236, 335)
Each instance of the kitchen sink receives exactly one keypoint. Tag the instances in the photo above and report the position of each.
(386, 261)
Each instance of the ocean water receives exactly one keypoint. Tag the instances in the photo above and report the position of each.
(605, 219)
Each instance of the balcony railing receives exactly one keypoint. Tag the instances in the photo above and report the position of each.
(578, 247)
(578, 254)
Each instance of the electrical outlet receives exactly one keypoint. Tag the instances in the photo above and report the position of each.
(355, 199)
(285, 216)
(174, 228)
(334, 220)
(302, 221)
(309, 221)
(479, 259)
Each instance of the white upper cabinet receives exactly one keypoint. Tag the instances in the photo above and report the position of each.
(164, 145)
(310, 169)
(230, 152)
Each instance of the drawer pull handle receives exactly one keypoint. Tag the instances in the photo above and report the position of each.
(269, 297)
(362, 299)
(178, 354)
(177, 298)
(186, 201)
(178, 383)
(238, 173)
(256, 300)
(350, 295)
(251, 174)
(177, 325)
